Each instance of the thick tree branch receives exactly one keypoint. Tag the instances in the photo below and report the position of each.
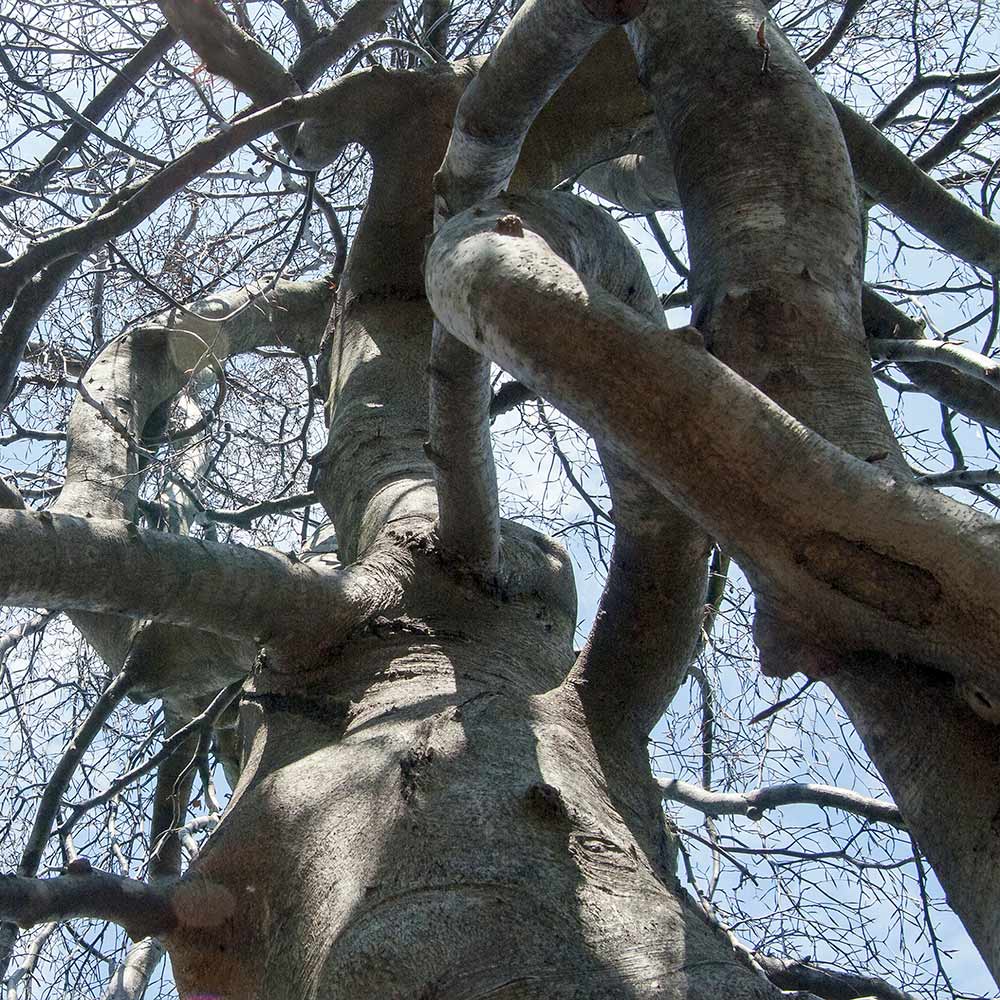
(639, 181)
(362, 19)
(961, 359)
(462, 453)
(650, 616)
(915, 575)
(829, 984)
(889, 176)
(435, 16)
(20, 323)
(132, 977)
(962, 477)
(112, 567)
(757, 802)
(140, 908)
(229, 51)
(129, 381)
(542, 45)
(643, 180)
(245, 516)
(939, 761)
(540, 48)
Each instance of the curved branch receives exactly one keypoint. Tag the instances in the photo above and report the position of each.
(539, 49)
(229, 51)
(27, 309)
(974, 398)
(650, 615)
(837, 32)
(501, 103)
(754, 803)
(941, 352)
(542, 45)
(916, 575)
(364, 18)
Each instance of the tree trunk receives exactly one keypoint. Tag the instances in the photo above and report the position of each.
(425, 810)
(424, 813)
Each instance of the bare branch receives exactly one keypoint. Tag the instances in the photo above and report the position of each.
(847, 15)
(247, 515)
(962, 477)
(132, 977)
(890, 177)
(929, 81)
(113, 567)
(177, 741)
(911, 541)
(36, 178)
(229, 51)
(952, 140)
(830, 984)
(363, 19)
(140, 908)
(137, 202)
(759, 801)
(540, 48)
(975, 398)
(941, 352)
(51, 799)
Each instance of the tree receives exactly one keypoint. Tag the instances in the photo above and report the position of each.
(434, 794)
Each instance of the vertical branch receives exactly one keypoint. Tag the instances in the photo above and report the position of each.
(462, 453)
(540, 48)
(173, 788)
(132, 977)
(435, 22)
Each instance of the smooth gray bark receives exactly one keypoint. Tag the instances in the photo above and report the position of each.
(434, 785)
(434, 775)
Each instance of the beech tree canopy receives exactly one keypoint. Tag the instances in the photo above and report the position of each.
(499, 499)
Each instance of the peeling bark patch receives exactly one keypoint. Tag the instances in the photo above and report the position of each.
(901, 591)
(387, 628)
